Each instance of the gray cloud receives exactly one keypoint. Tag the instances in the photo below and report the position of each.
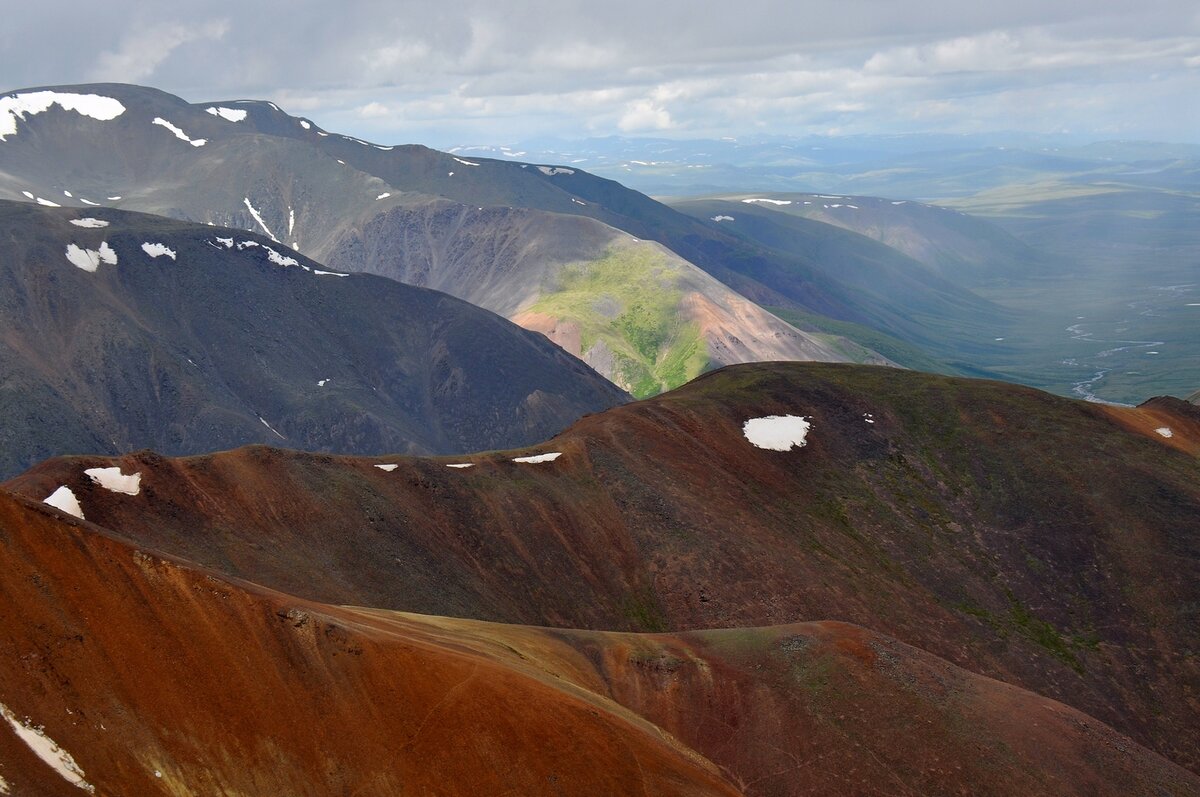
(468, 69)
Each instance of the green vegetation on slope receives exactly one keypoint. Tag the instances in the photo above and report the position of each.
(628, 300)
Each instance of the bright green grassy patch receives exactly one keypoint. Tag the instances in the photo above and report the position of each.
(629, 300)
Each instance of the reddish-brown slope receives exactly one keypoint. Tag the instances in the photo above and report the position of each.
(1020, 535)
(161, 678)
(136, 666)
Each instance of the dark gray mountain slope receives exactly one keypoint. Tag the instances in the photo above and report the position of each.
(199, 338)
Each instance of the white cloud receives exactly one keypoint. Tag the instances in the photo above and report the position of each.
(644, 115)
(374, 110)
(140, 54)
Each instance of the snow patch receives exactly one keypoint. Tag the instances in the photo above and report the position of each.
(461, 465)
(387, 194)
(1165, 431)
(27, 194)
(48, 203)
(89, 223)
(68, 194)
(4, 787)
(553, 170)
(64, 499)
(466, 163)
(321, 382)
(722, 218)
(107, 255)
(539, 458)
(291, 221)
(113, 480)
(768, 201)
(573, 199)
(113, 198)
(48, 750)
(280, 260)
(258, 218)
(272, 428)
(179, 134)
(389, 468)
(228, 242)
(89, 202)
(305, 125)
(321, 273)
(777, 432)
(19, 106)
(86, 259)
(228, 114)
(158, 250)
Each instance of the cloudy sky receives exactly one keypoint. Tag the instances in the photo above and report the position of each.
(497, 71)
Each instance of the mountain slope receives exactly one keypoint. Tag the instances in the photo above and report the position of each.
(136, 673)
(956, 247)
(135, 331)
(1049, 543)
(496, 234)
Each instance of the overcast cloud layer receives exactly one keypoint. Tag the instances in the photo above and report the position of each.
(458, 70)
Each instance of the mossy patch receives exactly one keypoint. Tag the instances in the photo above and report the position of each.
(630, 299)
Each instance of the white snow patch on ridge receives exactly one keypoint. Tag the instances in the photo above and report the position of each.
(48, 203)
(768, 201)
(90, 223)
(539, 458)
(553, 170)
(466, 163)
(461, 465)
(1165, 431)
(389, 468)
(158, 250)
(777, 432)
(46, 749)
(64, 499)
(113, 480)
(179, 134)
(18, 106)
(384, 195)
(228, 114)
(722, 218)
(90, 259)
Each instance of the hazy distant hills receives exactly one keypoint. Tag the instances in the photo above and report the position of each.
(1047, 542)
(142, 673)
(121, 331)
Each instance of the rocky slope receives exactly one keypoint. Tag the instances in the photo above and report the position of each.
(121, 331)
(1046, 542)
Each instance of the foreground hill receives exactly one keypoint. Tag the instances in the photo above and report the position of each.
(521, 240)
(121, 331)
(1050, 543)
(125, 671)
